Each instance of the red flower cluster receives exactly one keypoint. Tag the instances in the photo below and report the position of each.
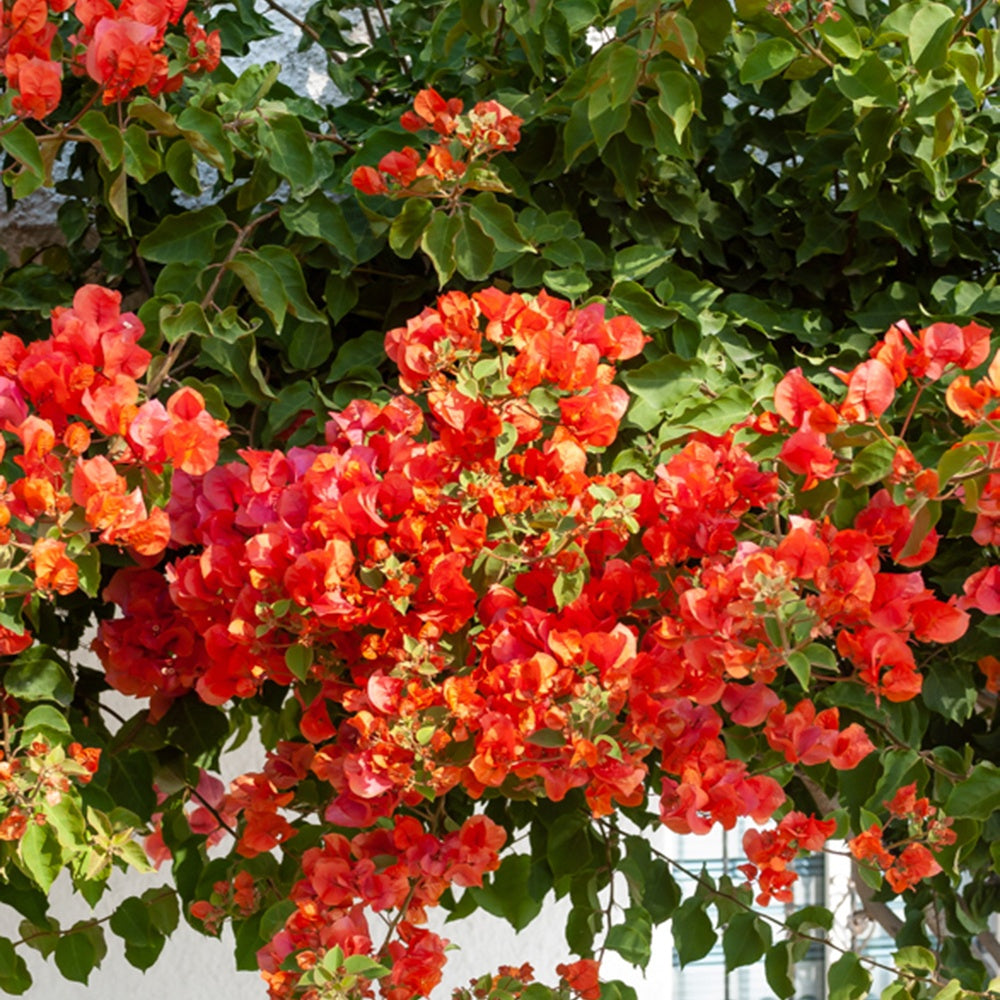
(771, 851)
(34, 779)
(908, 860)
(119, 48)
(488, 129)
(71, 394)
(458, 597)
(400, 868)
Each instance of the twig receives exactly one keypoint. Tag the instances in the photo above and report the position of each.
(392, 41)
(215, 812)
(154, 384)
(967, 20)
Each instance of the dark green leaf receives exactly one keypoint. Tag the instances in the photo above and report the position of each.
(75, 957)
(978, 795)
(632, 939)
(408, 227)
(693, 933)
(498, 222)
(745, 940)
(14, 976)
(473, 249)
(188, 238)
(289, 152)
(438, 242)
(36, 678)
(512, 892)
(207, 137)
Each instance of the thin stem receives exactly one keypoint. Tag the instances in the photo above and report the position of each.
(802, 40)
(340, 60)
(400, 913)
(911, 411)
(392, 41)
(501, 27)
(967, 20)
(793, 932)
(28, 938)
(215, 812)
(155, 383)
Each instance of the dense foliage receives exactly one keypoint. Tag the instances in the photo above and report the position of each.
(588, 425)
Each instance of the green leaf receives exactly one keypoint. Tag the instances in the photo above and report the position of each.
(679, 98)
(693, 933)
(188, 238)
(309, 346)
(841, 35)
(264, 284)
(498, 222)
(196, 728)
(357, 355)
(799, 665)
(767, 59)
(978, 795)
(745, 940)
(438, 242)
(180, 320)
(915, 957)
(299, 659)
(164, 913)
(777, 964)
(180, 166)
(289, 152)
(570, 283)
(868, 83)
(208, 138)
(949, 692)
(632, 299)
(44, 719)
(713, 20)
(14, 976)
(513, 892)
(408, 227)
(106, 138)
(40, 855)
(363, 965)
(22, 144)
(568, 587)
(37, 678)
(848, 979)
(473, 249)
(568, 848)
(275, 916)
(930, 34)
(42, 938)
(76, 956)
(141, 161)
(872, 464)
(131, 922)
(632, 939)
(289, 270)
(116, 194)
(321, 218)
(667, 382)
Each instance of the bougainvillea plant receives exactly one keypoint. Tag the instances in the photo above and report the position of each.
(454, 604)
(531, 458)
